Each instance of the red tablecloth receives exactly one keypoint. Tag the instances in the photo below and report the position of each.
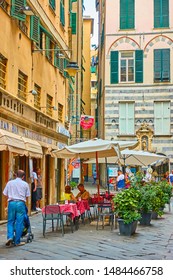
(54, 209)
(95, 200)
(82, 206)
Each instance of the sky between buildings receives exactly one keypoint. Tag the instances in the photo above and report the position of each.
(90, 10)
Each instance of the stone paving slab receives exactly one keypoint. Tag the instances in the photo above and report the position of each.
(149, 243)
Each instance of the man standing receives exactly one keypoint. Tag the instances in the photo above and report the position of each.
(34, 180)
(17, 191)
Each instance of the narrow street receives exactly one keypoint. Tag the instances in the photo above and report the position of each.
(152, 243)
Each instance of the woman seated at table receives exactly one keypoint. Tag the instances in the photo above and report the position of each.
(68, 195)
(83, 193)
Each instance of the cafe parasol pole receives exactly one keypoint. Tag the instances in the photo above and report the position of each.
(98, 175)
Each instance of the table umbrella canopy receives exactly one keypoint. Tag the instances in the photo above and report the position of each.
(132, 157)
(88, 149)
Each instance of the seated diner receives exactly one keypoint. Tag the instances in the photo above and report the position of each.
(83, 193)
(68, 195)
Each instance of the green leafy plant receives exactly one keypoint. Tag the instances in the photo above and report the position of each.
(154, 196)
(126, 205)
(73, 185)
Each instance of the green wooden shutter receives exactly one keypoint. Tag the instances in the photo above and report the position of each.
(62, 15)
(130, 14)
(123, 24)
(157, 65)
(139, 66)
(127, 14)
(166, 118)
(52, 3)
(35, 28)
(122, 118)
(126, 118)
(165, 13)
(162, 117)
(66, 75)
(161, 13)
(15, 9)
(56, 57)
(47, 46)
(114, 67)
(73, 22)
(162, 65)
(166, 65)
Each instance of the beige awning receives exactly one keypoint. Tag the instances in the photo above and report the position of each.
(48, 148)
(11, 142)
(32, 148)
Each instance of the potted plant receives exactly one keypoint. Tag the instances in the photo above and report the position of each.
(163, 193)
(126, 207)
(146, 203)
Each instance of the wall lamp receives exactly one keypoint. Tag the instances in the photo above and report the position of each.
(33, 91)
(26, 10)
(72, 68)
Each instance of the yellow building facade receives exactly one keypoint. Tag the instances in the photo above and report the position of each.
(34, 89)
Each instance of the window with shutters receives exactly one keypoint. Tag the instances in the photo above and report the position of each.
(62, 12)
(22, 85)
(37, 97)
(126, 118)
(49, 49)
(126, 67)
(15, 9)
(162, 118)
(3, 71)
(60, 112)
(127, 14)
(162, 65)
(49, 106)
(161, 13)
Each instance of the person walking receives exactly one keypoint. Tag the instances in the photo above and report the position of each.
(38, 189)
(16, 191)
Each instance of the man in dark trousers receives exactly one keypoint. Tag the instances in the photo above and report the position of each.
(17, 191)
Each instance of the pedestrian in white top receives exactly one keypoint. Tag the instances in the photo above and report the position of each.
(16, 191)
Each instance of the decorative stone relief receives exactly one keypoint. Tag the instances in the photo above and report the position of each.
(145, 136)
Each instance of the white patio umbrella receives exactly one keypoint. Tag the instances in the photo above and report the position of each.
(132, 157)
(88, 149)
(95, 148)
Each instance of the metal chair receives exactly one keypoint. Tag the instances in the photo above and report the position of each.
(52, 213)
(105, 210)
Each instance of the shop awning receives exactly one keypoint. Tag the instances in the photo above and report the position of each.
(11, 142)
(48, 148)
(32, 148)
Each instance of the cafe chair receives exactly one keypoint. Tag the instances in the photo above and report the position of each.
(66, 216)
(52, 213)
(105, 211)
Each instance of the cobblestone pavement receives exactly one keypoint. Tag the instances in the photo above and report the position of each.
(153, 242)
